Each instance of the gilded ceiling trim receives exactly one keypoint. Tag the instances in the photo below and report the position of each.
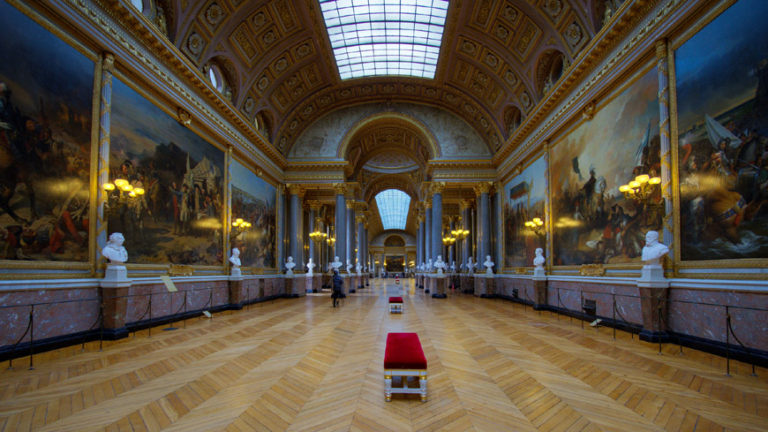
(384, 118)
(156, 54)
(605, 43)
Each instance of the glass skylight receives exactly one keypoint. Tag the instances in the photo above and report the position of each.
(385, 37)
(393, 208)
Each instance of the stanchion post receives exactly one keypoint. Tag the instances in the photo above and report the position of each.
(727, 341)
(31, 337)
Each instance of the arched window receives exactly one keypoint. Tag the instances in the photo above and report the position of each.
(216, 78)
(138, 4)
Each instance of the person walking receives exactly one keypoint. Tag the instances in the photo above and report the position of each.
(338, 283)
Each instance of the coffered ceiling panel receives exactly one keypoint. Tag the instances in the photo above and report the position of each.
(281, 66)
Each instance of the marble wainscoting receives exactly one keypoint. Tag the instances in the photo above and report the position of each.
(628, 305)
(505, 286)
(686, 314)
(60, 308)
(210, 295)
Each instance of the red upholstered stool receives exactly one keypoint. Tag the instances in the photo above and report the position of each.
(395, 305)
(404, 358)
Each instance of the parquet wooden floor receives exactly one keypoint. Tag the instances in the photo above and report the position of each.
(301, 365)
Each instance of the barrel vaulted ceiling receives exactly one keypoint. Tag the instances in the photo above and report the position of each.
(497, 60)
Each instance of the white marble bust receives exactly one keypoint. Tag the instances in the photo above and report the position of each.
(310, 266)
(471, 265)
(358, 268)
(539, 260)
(430, 267)
(114, 250)
(453, 266)
(440, 265)
(336, 264)
(653, 250)
(289, 265)
(235, 257)
(488, 265)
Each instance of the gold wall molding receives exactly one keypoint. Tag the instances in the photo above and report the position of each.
(592, 270)
(180, 270)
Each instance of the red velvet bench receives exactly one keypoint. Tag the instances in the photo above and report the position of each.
(395, 305)
(404, 358)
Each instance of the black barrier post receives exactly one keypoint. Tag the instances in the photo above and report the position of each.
(31, 337)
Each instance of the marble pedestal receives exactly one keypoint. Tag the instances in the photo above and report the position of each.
(360, 281)
(654, 290)
(312, 283)
(484, 285)
(114, 290)
(236, 298)
(349, 283)
(439, 286)
(539, 292)
(467, 283)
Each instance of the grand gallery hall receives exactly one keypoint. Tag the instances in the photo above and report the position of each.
(384, 215)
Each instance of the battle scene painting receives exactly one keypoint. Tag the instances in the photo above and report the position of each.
(592, 221)
(45, 143)
(178, 219)
(525, 199)
(722, 104)
(253, 201)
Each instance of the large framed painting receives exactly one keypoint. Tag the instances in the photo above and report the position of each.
(525, 198)
(46, 88)
(592, 221)
(722, 105)
(179, 217)
(253, 202)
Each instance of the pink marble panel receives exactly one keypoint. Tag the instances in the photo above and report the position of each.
(702, 313)
(56, 313)
(198, 295)
(504, 286)
(626, 296)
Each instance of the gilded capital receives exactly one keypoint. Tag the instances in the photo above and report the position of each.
(661, 49)
(428, 203)
(359, 218)
(465, 204)
(109, 62)
(437, 187)
(294, 189)
(340, 188)
(483, 188)
(350, 205)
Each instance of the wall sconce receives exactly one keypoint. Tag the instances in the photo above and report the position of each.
(239, 226)
(641, 188)
(123, 186)
(448, 240)
(331, 241)
(536, 225)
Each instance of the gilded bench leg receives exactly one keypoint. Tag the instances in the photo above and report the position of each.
(423, 387)
(388, 388)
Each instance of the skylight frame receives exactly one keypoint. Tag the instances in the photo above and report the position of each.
(409, 45)
(393, 207)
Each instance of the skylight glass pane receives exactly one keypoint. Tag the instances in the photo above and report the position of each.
(393, 208)
(385, 37)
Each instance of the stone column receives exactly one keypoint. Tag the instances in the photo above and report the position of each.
(350, 232)
(280, 216)
(437, 219)
(428, 230)
(105, 112)
(484, 216)
(314, 224)
(466, 207)
(294, 224)
(664, 135)
(451, 248)
(419, 237)
(360, 219)
(341, 224)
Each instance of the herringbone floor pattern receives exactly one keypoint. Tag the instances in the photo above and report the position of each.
(301, 365)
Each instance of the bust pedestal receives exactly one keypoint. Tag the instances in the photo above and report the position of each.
(439, 282)
(539, 289)
(236, 298)
(114, 289)
(484, 285)
(654, 290)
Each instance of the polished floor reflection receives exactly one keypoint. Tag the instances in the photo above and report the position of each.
(299, 364)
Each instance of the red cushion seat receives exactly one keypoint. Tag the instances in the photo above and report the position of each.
(395, 299)
(404, 352)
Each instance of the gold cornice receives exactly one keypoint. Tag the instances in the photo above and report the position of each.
(156, 53)
(340, 188)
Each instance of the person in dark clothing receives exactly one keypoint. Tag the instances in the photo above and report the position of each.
(338, 283)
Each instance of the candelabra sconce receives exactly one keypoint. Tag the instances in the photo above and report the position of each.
(123, 187)
(239, 226)
(460, 234)
(318, 236)
(536, 225)
(448, 240)
(641, 188)
(331, 241)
